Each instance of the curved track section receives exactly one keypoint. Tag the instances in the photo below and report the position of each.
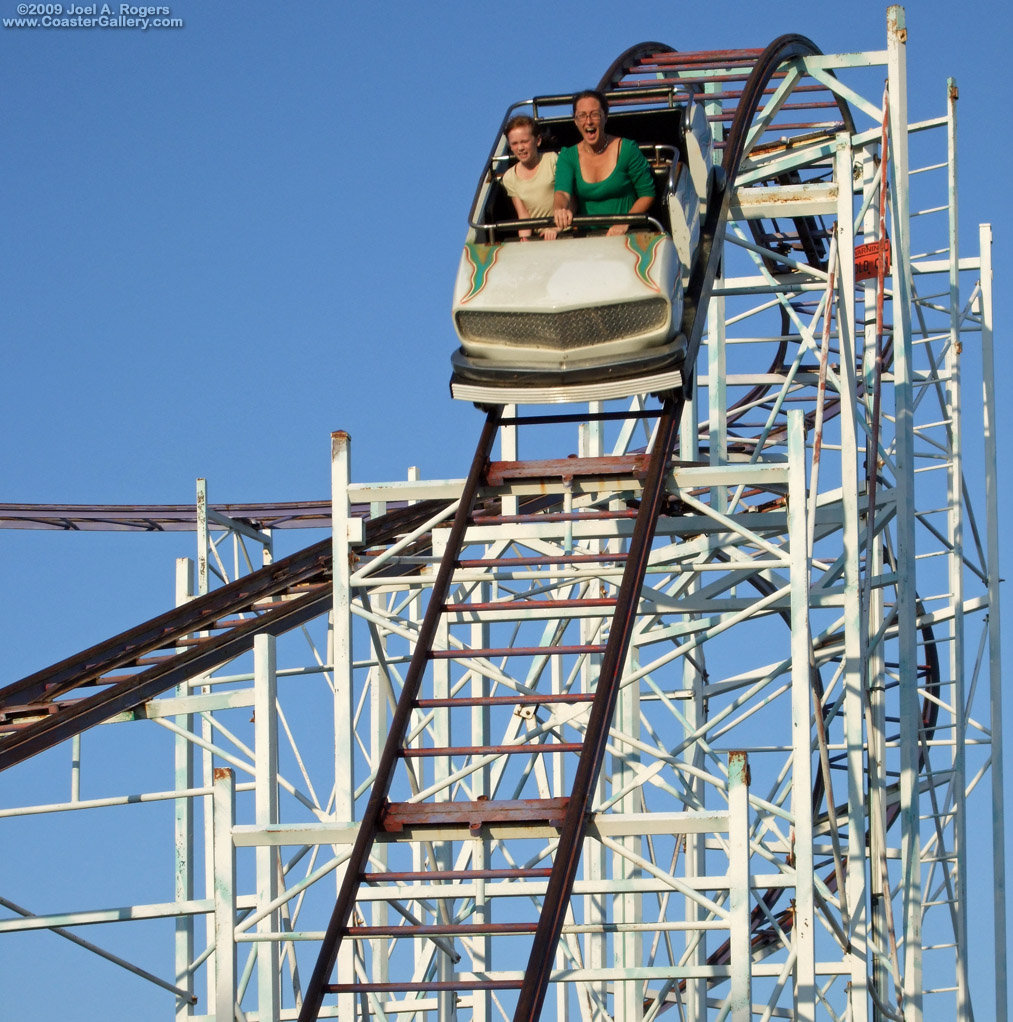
(809, 239)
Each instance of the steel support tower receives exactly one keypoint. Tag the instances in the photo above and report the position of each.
(805, 757)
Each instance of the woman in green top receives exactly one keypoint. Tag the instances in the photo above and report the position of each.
(601, 174)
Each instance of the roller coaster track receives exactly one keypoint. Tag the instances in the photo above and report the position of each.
(128, 670)
(303, 514)
(570, 815)
(124, 672)
(630, 70)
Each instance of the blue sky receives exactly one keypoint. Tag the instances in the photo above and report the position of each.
(223, 241)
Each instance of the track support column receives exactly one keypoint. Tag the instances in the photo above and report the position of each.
(994, 632)
(910, 712)
(265, 680)
(183, 818)
(855, 893)
(741, 993)
(224, 853)
(344, 698)
(801, 722)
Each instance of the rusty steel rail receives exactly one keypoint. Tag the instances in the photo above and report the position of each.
(372, 818)
(578, 812)
(300, 514)
(569, 814)
(294, 514)
(741, 93)
(36, 713)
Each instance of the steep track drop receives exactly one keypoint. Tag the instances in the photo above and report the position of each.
(385, 819)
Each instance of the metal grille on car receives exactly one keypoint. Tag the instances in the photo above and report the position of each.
(563, 330)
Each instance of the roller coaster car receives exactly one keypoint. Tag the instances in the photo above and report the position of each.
(586, 317)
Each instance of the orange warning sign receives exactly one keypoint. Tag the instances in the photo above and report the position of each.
(867, 257)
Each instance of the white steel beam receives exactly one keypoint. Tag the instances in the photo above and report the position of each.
(224, 854)
(994, 631)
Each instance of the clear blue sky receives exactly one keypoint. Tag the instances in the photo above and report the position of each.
(223, 241)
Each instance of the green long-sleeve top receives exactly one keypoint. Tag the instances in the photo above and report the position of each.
(630, 180)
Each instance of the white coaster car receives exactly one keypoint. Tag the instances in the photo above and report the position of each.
(584, 318)
(576, 319)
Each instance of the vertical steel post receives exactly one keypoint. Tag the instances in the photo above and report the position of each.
(907, 639)
(695, 845)
(994, 630)
(855, 890)
(265, 714)
(871, 607)
(75, 768)
(717, 433)
(183, 820)
(595, 864)
(803, 936)
(203, 538)
(481, 719)
(442, 766)
(626, 760)
(717, 442)
(224, 855)
(344, 695)
(741, 992)
(508, 452)
(207, 759)
(955, 564)
(379, 717)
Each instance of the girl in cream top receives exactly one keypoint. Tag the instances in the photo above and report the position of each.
(530, 182)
